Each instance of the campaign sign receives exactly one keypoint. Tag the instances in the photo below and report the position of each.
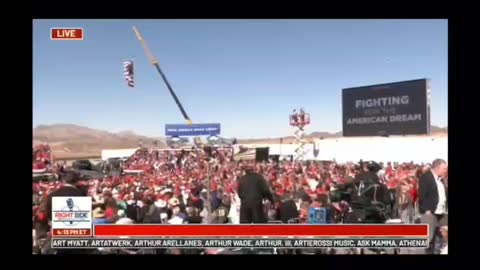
(71, 216)
(178, 130)
(400, 108)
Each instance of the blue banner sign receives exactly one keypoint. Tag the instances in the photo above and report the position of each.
(178, 130)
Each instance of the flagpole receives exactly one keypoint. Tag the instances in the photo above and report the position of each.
(154, 62)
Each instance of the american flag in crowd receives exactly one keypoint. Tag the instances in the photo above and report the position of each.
(128, 72)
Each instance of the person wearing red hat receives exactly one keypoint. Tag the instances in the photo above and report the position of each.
(323, 188)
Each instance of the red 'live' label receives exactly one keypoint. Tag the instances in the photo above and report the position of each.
(66, 34)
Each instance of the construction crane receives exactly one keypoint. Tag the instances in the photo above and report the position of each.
(154, 62)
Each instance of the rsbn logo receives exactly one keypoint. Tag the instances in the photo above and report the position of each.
(71, 214)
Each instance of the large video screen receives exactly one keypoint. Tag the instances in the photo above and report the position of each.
(399, 108)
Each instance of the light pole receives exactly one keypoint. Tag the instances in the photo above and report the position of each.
(209, 208)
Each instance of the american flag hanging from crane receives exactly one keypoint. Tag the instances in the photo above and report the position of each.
(128, 73)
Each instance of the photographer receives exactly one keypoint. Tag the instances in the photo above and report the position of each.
(366, 196)
(368, 199)
(287, 209)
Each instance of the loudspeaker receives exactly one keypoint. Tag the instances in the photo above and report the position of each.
(261, 154)
(275, 158)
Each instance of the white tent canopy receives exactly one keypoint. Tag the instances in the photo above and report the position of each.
(118, 153)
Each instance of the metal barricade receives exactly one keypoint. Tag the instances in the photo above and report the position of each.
(275, 222)
(294, 221)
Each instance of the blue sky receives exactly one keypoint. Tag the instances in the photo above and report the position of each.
(247, 75)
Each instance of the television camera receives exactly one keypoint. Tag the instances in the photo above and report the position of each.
(368, 199)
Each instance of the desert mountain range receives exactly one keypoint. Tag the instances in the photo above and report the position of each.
(76, 141)
(72, 141)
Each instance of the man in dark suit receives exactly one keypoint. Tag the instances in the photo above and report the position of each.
(433, 198)
(287, 209)
(252, 189)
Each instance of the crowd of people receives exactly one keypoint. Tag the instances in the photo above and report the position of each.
(201, 186)
(42, 157)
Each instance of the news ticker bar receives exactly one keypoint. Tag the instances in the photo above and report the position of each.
(257, 230)
(241, 243)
